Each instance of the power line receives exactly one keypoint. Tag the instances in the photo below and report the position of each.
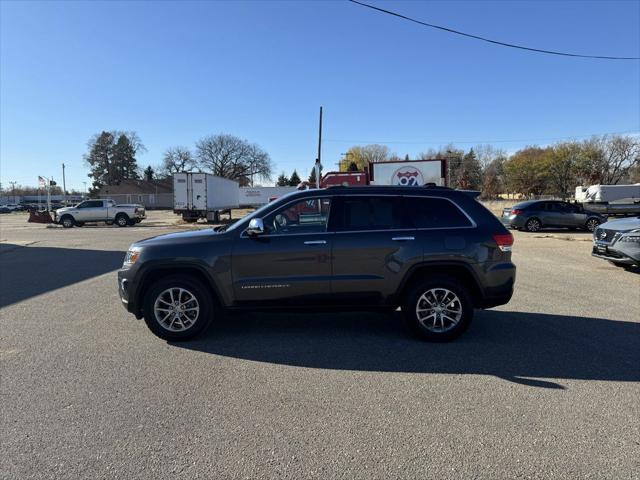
(496, 42)
(477, 142)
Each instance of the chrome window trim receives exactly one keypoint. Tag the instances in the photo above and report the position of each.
(473, 223)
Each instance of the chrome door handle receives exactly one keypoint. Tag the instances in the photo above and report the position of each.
(402, 239)
(315, 242)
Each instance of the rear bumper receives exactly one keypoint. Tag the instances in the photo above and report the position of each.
(513, 221)
(499, 281)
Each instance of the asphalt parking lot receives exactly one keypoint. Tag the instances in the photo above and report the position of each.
(547, 386)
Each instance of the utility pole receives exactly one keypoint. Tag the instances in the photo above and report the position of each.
(318, 164)
(64, 187)
(13, 191)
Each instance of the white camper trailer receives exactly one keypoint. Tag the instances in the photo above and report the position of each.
(610, 199)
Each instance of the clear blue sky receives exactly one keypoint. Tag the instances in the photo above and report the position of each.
(175, 72)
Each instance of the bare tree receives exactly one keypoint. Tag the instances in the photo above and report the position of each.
(361, 156)
(258, 164)
(231, 157)
(177, 159)
(486, 154)
(608, 159)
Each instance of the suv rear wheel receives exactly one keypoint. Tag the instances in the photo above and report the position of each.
(178, 308)
(438, 309)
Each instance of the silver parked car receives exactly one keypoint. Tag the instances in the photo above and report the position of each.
(619, 242)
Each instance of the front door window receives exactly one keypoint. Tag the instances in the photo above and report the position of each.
(303, 217)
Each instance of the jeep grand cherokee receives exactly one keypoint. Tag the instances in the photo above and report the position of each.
(435, 252)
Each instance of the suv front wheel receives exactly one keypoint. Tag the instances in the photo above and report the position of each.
(438, 309)
(178, 308)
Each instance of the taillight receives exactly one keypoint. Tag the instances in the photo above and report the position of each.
(516, 212)
(504, 241)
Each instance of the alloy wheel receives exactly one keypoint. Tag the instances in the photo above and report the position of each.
(439, 310)
(592, 224)
(533, 225)
(176, 309)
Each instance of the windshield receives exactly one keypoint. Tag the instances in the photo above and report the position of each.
(256, 213)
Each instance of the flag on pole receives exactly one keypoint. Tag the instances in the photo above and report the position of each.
(42, 182)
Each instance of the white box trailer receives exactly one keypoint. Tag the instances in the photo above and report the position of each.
(256, 196)
(413, 173)
(202, 195)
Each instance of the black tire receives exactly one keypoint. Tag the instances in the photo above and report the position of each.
(192, 286)
(122, 220)
(462, 302)
(533, 225)
(67, 221)
(592, 224)
(132, 222)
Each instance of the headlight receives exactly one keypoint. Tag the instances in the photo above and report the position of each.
(132, 256)
(630, 238)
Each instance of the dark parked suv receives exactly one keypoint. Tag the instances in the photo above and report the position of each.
(435, 252)
(537, 214)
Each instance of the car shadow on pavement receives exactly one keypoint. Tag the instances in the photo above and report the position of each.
(27, 271)
(525, 348)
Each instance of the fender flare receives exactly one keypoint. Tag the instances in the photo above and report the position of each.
(173, 266)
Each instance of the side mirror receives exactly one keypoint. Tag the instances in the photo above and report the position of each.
(256, 227)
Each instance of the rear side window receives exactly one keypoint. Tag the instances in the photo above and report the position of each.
(372, 213)
(436, 213)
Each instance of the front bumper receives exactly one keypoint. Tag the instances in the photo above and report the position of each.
(623, 253)
(127, 291)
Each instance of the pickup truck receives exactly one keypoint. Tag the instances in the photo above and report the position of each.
(100, 211)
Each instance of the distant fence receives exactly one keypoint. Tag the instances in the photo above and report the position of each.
(149, 200)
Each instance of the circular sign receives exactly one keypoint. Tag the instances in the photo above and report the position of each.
(407, 177)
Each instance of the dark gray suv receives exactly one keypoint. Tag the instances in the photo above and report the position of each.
(435, 252)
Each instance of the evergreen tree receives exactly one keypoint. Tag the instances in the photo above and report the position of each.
(282, 181)
(406, 157)
(469, 175)
(112, 161)
(312, 176)
(124, 160)
(294, 181)
(148, 173)
(353, 167)
(99, 159)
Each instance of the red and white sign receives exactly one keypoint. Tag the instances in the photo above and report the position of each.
(407, 176)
